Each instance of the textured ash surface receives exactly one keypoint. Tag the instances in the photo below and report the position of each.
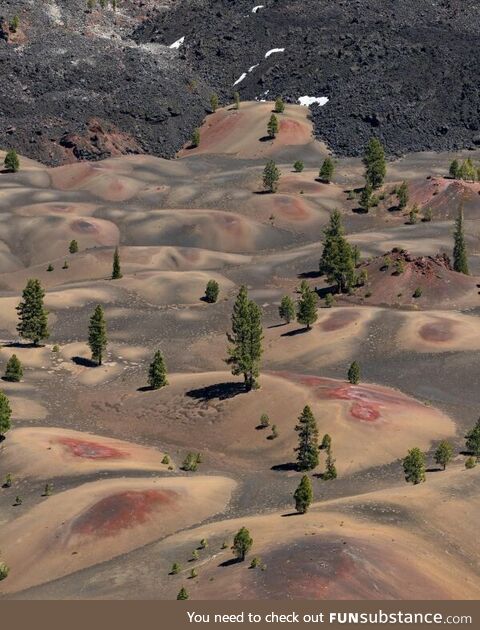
(86, 85)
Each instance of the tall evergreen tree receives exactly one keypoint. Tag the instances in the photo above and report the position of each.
(33, 318)
(14, 370)
(73, 247)
(454, 170)
(303, 495)
(354, 373)
(211, 291)
(307, 308)
(330, 468)
(242, 543)
(444, 454)
(338, 257)
(460, 260)
(214, 102)
(97, 334)
(157, 372)
(414, 466)
(195, 142)
(279, 105)
(375, 164)
(5, 414)
(366, 198)
(326, 171)
(286, 310)
(245, 351)
(472, 440)
(183, 594)
(116, 269)
(271, 176)
(402, 194)
(307, 450)
(272, 127)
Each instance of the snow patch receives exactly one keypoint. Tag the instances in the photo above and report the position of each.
(257, 8)
(306, 101)
(178, 43)
(240, 79)
(272, 51)
(253, 67)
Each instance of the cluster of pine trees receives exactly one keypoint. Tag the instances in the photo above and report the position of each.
(465, 170)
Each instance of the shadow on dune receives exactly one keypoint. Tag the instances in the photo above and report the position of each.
(222, 391)
(293, 333)
(229, 563)
(84, 362)
(288, 466)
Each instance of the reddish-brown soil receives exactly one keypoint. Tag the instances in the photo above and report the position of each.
(91, 450)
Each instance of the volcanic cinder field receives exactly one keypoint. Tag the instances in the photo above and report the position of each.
(119, 514)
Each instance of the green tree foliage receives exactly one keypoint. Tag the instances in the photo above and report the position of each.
(245, 350)
(4, 571)
(329, 300)
(366, 198)
(470, 463)
(236, 99)
(298, 166)
(50, 267)
(354, 373)
(468, 171)
(12, 161)
(271, 176)
(97, 334)
(330, 468)
(326, 442)
(444, 454)
(472, 440)
(191, 461)
(460, 260)
(414, 466)
(286, 310)
(418, 293)
(303, 495)
(272, 127)
(211, 291)
(33, 318)
(116, 269)
(242, 543)
(307, 308)
(182, 594)
(307, 450)
(402, 194)
(5, 414)
(326, 171)
(157, 372)
(279, 105)
(375, 163)
(427, 215)
(175, 569)
(213, 102)
(73, 247)
(14, 370)
(264, 421)
(14, 24)
(274, 434)
(454, 170)
(337, 261)
(195, 142)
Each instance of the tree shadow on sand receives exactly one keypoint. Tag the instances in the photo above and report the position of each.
(229, 563)
(287, 467)
(294, 333)
(222, 391)
(84, 362)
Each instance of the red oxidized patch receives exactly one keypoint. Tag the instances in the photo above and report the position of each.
(91, 450)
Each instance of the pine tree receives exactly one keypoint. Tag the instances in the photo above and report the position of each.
(303, 495)
(5, 414)
(195, 138)
(467, 171)
(245, 351)
(326, 442)
(182, 594)
(307, 450)
(366, 198)
(4, 571)
(157, 372)
(211, 291)
(286, 310)
(454, 170)
(242, 543)
(298, 166)
(14, 370)
(326, 172)
(472, 440)
(272, 127)
(214, 102)
(444, 454)
(14, 24)
(11, 162)
(236, 98)
(414, 466)
(271, 176)
(402, 194)
(375, 164)
(97, 334)
(33, 318)
(279, 105)
(338, 259)
(73, 247)
(460, 260)
(116, 269)
(330, 468)
(307, 308)
(354, 373)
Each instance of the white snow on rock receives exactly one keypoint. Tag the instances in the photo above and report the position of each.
(178, 43)
(274, 50)
(240, 78)
(309, 100)
(257, 8)
(253, 67)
